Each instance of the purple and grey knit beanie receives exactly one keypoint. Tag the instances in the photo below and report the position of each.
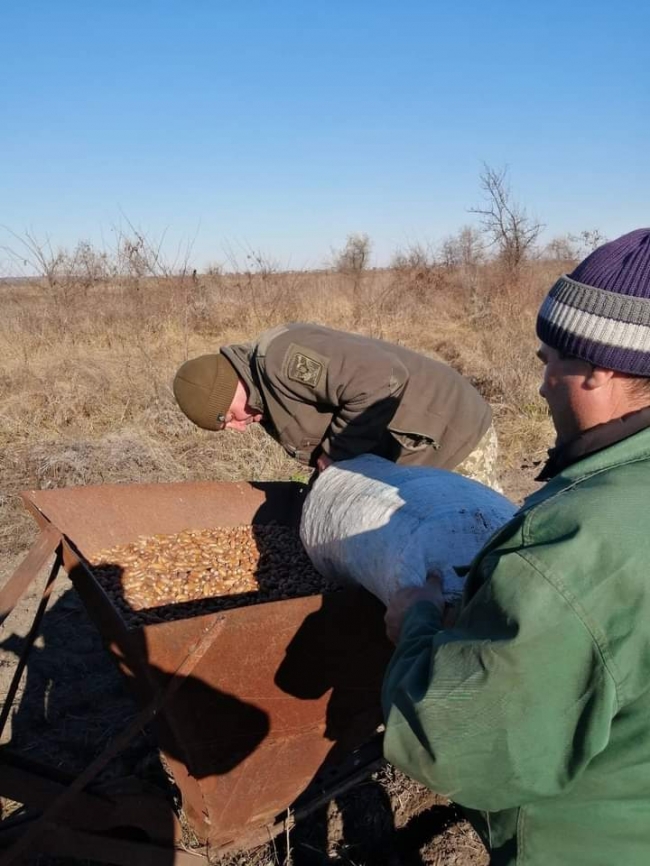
(601, 311)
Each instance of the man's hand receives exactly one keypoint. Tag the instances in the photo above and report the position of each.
(323, 462)
(406, 598)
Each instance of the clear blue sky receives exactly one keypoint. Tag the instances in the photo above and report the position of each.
(283, 125)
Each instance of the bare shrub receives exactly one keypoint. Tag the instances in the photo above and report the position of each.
(59, 269)
(589, 240)
(562, 249)
(464, 249)
(572, 248)
(417, 272)
(416, 257)
(354, 257)
(352, 261)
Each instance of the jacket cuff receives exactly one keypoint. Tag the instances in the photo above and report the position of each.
(422, 618)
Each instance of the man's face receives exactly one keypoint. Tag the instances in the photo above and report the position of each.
(240, 415)
(564, 390)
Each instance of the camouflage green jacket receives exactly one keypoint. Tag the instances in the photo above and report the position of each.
(327, 391)
(533, 711)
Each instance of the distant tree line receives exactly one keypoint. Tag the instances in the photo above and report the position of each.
(506, 232)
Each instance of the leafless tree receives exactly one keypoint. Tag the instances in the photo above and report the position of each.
(352, 262)
(415, 257)
(505, 223)
(355, 255)
(416, 273)
(589, 239)
(465, 248)
(562, 249)
(574, 247)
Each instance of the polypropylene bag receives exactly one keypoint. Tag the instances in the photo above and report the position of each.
(385, 526)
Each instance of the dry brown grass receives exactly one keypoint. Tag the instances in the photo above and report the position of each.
(85, 377)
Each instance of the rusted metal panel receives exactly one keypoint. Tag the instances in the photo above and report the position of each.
(284, 688)
(102, 516)
(279, 693)
(40, 552)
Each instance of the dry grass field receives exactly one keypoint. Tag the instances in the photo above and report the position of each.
(86, 370)
(85, 398)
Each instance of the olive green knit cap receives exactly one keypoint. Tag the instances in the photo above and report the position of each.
(204, 388)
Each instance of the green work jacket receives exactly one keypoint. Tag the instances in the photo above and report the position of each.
(533, 712)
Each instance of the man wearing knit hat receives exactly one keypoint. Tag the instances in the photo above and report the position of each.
(532, 710)
(328, 395)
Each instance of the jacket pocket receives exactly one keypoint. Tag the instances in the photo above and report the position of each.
(414, 442)
(415, 428)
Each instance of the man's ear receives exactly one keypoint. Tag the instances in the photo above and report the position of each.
(598, 378)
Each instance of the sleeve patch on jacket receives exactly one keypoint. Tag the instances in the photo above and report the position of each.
(302, 368)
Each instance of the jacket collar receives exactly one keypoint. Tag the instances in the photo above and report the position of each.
(241, 357)
(595, 439)
(631, 445)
